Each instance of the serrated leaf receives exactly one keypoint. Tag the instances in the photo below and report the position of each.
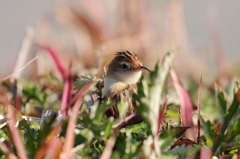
(222, 103)
(228, 118)
(149, 103)
(208, 131)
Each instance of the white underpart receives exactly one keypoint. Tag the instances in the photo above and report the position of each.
(112, 84)
(130, 77)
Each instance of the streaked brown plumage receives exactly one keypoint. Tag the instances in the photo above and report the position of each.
(123, 73)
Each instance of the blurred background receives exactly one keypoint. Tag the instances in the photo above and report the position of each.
(204, 34)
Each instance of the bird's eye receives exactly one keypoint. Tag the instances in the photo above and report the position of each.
(124, 66)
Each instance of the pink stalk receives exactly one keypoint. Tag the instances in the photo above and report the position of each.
(185, 105)
(15, 133)
(107, 152)
(66, 94)
(66, 75)
(185, 102)
(199, 105)
(205, 153)
(56, 60)
(70, 136)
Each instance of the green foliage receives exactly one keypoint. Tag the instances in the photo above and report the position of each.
(208, 132)
(183, 151)
(228, 116)
(150, 91)
(224, 138)
(141, 128)
(174, 132)
(137, 140)
(30, 135)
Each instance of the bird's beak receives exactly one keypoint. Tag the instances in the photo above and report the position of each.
(141, 68)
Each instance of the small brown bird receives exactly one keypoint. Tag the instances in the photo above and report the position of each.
(123, 73)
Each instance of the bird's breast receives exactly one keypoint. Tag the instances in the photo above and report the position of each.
(113, 87)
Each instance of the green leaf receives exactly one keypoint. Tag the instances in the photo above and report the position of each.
(228, 119)
(87, 134)
(127, 146)
(208, 131)
(142, 128)
(151, 93)
(121, 144)
(167, 156)
(108, 127)
(234, 132)
(47, 121)
(230, 148)
(174, 132)
(122, 108)
(183, 150)
(98, 110)
(29, 137)
(98, 146)
(222, 104)
(167, 143)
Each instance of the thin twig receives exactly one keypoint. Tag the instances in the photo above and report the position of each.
(5, 78)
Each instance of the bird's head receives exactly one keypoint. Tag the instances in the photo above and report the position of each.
(126, 67)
